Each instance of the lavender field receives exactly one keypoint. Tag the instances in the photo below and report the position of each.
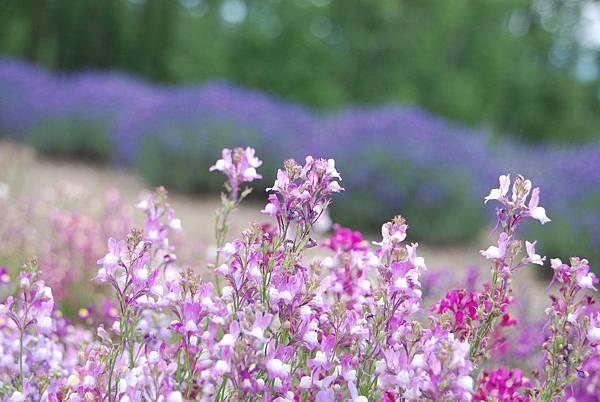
(394, 154)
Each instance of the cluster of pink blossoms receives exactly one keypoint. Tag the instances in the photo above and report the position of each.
(350, 326)
(66, 242)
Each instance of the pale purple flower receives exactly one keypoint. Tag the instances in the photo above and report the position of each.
(586, 279)
(239, 165)
(536, 212)
(593, 333)
(532, 257)
(496, 253)
(500, 192)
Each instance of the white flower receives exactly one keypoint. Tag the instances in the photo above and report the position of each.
(175, 224)
(594, 334)
(401, 283)
(222, 367)
(73, 380)
(535, 211)
(327, 262)
(278, 368)
(153, 356)
(465, 382)
(228, 250)
(311, 337)
(142, 274)
(305, 382)
(175, 396)
(494, 252)
(320, 357)
(44, 323)
(500, 192)
(227, 340)
(305, 310)
(403, 378)
(585, 281)
(89, 381)
(417, 361)
(17, 397)
(143, 205)
(532, 256)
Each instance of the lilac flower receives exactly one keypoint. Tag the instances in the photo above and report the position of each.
(4, 276)
(536, 212)
(532, 256)
(593, 334)
(290, 326)
(499, 193)
(239, 166)
(499, 252)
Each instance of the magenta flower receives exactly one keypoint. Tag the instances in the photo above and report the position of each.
(503, 386)
(345, 239)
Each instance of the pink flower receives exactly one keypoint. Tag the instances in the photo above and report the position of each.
(277, 369)
(535, 211)
(500, 192)
(593, 333)
(239, 165)
(499, 252)
(345, 239)
(502, 385)
(273, 207)
(586, 279)
(110, 261)
(532, 256)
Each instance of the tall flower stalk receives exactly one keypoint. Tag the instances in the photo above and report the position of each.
(239, 165)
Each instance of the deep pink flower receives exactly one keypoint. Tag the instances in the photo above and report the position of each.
(502, 385)
(345, 239)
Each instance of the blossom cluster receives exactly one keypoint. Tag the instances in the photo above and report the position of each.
(65, 240)
(283, 324)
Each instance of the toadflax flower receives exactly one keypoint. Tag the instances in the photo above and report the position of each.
(239, 165)
(287, 325)
(496, 253)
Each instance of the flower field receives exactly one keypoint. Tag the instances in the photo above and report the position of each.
(281, 312)
(395, 158)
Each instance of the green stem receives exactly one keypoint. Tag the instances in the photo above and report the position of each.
(21, 375)
(113, 360)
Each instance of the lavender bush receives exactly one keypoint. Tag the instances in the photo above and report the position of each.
(440, 166)
(350, 326)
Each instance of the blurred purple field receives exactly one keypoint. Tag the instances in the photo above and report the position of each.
(395, 159)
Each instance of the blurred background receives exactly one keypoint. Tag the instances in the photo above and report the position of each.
(422, 103)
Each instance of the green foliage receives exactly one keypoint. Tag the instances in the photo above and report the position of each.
(440, 205)
(509, 65)
(178, 157)
(73, 137)
(454, 214)
(572, 233)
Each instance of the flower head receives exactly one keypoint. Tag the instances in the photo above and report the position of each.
(239, 165)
